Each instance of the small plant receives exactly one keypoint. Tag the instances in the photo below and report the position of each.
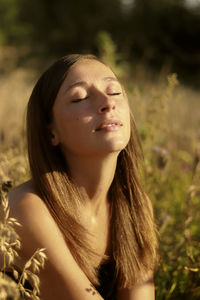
(13, 287)
(109, 54)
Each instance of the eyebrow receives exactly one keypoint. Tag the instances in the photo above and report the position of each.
(110, 79)
(84, 83)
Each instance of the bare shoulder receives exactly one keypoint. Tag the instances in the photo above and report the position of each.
(27, 205)
(24, 191)
(30, 210)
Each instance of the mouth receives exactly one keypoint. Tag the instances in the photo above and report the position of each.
(109, 125)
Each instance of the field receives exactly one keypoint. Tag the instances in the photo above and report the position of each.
(168, 119)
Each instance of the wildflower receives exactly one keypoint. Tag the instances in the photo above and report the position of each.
(186, 167)
(162, 156)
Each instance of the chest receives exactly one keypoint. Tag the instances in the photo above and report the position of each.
(99, 235)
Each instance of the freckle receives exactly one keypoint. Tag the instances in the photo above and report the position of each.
(93, 293)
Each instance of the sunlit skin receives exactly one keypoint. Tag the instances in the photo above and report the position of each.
(91, 125)
(90, 95)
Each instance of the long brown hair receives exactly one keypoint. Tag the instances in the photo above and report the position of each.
(133, 233)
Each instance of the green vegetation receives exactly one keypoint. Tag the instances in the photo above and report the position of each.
(156, 32)
(167, 115)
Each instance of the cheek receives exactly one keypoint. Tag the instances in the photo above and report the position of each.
(125, 110)
(127, 117)
(70, 124)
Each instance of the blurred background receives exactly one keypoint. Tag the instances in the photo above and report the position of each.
(154, 47)
(159, 34)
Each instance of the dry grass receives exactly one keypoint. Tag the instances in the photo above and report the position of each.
(14, 93)
(175, 109)
(9, 246)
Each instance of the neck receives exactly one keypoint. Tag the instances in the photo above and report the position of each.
(93, 176)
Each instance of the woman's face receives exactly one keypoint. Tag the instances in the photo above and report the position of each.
(91, 112)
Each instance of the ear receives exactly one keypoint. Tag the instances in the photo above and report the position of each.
(53, 136)
(54, 139)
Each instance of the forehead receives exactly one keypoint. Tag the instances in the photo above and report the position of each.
(88, 70)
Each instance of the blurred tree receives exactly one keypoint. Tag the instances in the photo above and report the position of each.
(10, 28)
(165, 31)
(64, 26)
(156, 32)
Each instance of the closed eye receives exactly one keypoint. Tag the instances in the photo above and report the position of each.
(79, 100)
(114, 94)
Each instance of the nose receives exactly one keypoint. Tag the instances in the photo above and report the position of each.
(107, 104)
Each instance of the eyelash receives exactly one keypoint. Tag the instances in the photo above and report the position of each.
(81, 99)
(115, 94)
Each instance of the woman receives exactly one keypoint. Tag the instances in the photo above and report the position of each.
(85, 203)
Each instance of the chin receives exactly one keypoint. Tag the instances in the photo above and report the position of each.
(116, 146)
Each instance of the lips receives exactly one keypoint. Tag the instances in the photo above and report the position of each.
(112, 124)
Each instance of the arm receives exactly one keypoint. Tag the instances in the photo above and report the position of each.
(61, 278)
(143, 291)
